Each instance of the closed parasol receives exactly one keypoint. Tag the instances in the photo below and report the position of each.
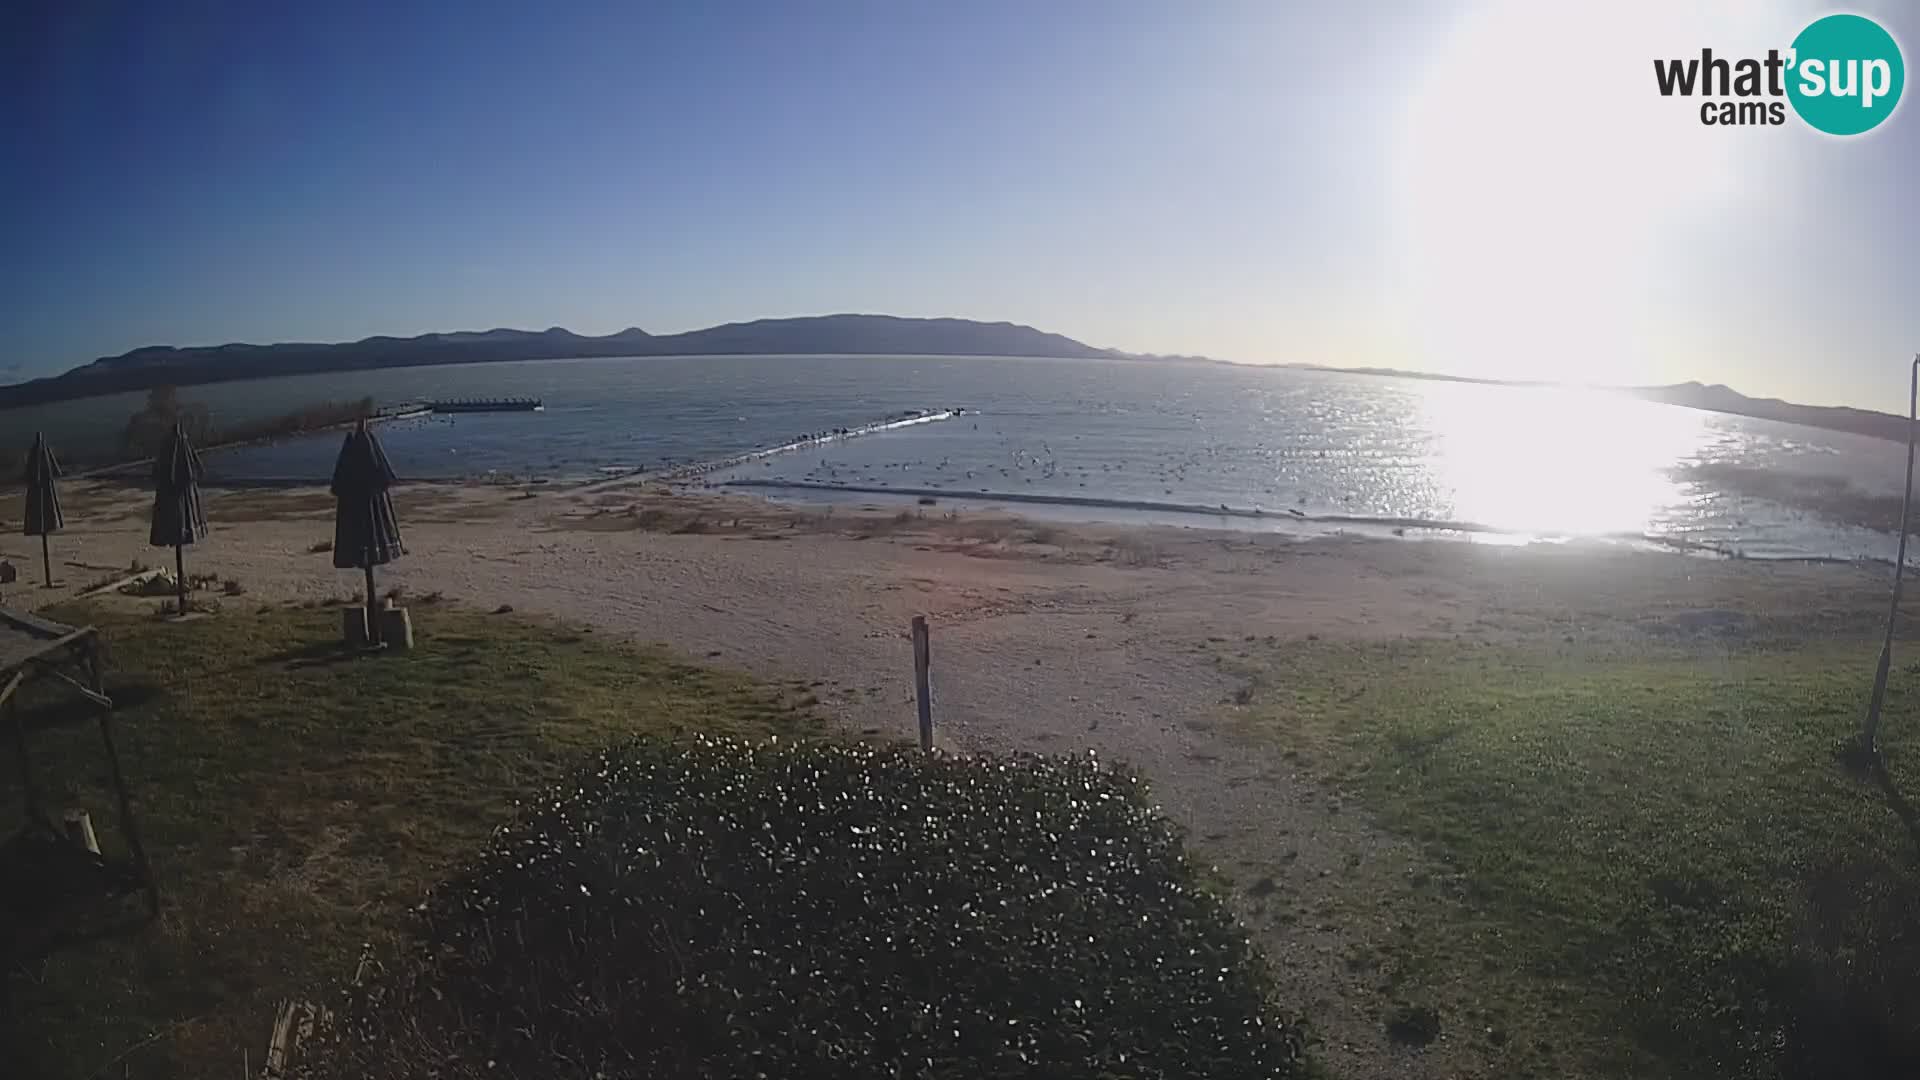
(178, 517)
(43, 517)
(365, 532)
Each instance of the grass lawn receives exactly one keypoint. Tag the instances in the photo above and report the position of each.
(295, 807)
(1650, 861)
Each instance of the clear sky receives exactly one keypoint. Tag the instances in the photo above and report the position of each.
(1486, 188)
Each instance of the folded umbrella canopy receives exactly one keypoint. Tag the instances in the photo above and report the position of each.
(178, 517)
(43, 499)
(365, 532)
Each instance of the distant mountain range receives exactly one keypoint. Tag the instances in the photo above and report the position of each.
(165, 365)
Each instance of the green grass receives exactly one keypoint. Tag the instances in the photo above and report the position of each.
(295, 805)
(1651, 862)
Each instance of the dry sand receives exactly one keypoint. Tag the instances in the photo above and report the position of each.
(1046, 638)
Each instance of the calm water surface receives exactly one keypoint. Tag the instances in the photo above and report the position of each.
(1109, 439)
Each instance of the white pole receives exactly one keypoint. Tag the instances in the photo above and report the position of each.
(1871, 730)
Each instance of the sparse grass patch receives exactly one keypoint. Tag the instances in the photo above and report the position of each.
(1129, 550)
(635, 516)
(1654, 864)
(1044, 534)
(196, 605)
(103, 581)
(449, 502)
(269, 504)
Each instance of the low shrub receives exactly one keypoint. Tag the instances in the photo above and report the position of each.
(728, 909)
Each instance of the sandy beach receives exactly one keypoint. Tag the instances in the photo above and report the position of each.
(1046, 637)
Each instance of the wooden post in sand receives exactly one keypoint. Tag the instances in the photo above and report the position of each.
(923, 693)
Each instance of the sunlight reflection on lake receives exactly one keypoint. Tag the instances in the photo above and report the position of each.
(1556, 462)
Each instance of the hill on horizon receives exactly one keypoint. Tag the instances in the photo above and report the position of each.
(164, 365)
(1718, 397)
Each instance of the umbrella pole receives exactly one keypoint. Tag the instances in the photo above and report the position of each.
(46, 560)
(373, 614)
(180, 576)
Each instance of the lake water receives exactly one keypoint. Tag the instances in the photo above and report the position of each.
(1273, 448)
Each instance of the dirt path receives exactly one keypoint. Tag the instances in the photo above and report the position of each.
(1046, 638)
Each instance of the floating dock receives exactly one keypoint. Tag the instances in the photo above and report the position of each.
(486, 405)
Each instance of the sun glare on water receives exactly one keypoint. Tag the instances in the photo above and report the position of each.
(1554, 463)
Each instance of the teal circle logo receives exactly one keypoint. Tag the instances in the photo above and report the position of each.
(1846, 74)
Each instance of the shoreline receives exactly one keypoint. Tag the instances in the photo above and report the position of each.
(591, 505)
(1842, 535)
(1294, 526)
(1380, 526)
(1784, 517)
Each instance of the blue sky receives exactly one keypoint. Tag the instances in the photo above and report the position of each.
(1487, 188)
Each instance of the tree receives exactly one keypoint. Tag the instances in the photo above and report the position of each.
(148, 429)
